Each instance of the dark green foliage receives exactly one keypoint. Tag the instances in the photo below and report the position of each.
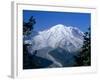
(84, 58)
(27, 57)
(28, 26)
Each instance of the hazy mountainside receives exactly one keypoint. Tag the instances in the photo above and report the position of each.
(57, 44)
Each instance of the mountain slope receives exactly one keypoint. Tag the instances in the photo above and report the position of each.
(59, 36)
(58, 44)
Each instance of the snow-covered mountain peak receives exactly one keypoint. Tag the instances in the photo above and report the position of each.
(61, 27)
(59, 36)
(58, 26)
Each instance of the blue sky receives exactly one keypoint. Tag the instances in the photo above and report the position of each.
(47, 19)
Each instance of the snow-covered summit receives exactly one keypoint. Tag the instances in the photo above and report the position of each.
(69, 38)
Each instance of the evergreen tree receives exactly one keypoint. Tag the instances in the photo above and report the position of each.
(27, 57)
(28, 26)
(84, 57)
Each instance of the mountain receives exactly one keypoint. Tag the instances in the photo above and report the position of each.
(57, 44)
(68, 38)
